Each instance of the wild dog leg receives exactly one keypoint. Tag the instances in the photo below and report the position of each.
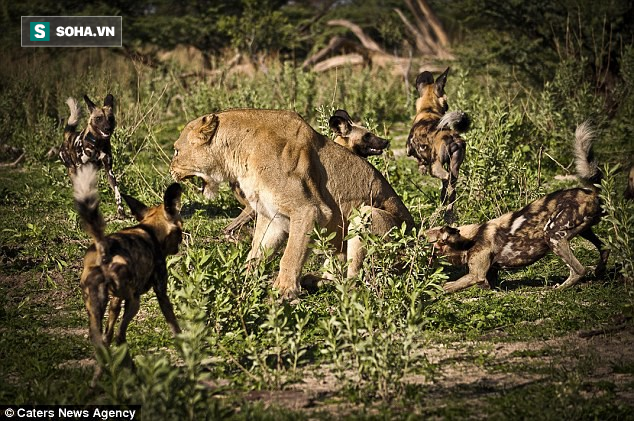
(113, 315)
(107, 165)
(160, 289)
(603, 253)
(479, 265)
(132, 306)
(561, 247)
(447, 193)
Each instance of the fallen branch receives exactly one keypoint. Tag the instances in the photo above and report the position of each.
(338, 61)
(14, 163)
(366, 41)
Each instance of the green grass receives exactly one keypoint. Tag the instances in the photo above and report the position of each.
(384, 346)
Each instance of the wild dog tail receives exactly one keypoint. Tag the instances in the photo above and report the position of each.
(87, 203)
(73, 119)
(455, 120)
(585, 163)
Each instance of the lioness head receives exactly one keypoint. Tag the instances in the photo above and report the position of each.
(432, 93)
(356, 138)
(194, 155)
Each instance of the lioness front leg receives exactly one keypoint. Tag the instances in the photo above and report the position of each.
(301, 225)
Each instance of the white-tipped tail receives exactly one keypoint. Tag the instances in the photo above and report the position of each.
(455, 120)
(75, 112)
(85, 184)
(87, 203)
(585, 164)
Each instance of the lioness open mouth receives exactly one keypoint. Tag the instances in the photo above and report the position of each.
(202, 185)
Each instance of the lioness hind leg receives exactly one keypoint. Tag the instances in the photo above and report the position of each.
(268, 234)
(380, 223)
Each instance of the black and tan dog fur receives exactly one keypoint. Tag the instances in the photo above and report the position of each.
(91, 145)
(357, 139)
(519, 238)
(434, 139)
(122, 266)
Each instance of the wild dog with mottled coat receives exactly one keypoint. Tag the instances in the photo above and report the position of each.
(294, 178)
(357, 139)
(517, 239)
(91, 145)
(434, 139)
(122, 266)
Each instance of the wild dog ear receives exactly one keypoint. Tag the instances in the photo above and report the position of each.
(109, 101)
(422, 80)
(439, 86)
(448, 232)
(136, 206)
(172, 199)
(340, 123)
(89, 103)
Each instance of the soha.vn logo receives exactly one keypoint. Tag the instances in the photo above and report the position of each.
(40, 31)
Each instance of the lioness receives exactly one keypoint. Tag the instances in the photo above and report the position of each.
(292, 176)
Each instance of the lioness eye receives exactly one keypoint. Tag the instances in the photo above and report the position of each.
(175, 152)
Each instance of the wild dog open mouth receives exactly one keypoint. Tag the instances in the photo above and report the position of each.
(104, 134)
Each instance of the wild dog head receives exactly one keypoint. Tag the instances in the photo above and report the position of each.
(194, 155)
(432, 98)
(356, 138)
(101, 122)
(165, 219)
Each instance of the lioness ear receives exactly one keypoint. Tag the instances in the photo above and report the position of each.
(109, 101)
(137, 207)
(422, 80)
(340, 123)
(210, 125)
(439, 87)
(172, 199)
(89, 103)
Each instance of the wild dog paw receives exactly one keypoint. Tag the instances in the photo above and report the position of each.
(120, 212)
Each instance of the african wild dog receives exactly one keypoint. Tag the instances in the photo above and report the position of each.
(351, 136)
(123, 265)
(434, 139)
(92, 145)
(519, 238)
